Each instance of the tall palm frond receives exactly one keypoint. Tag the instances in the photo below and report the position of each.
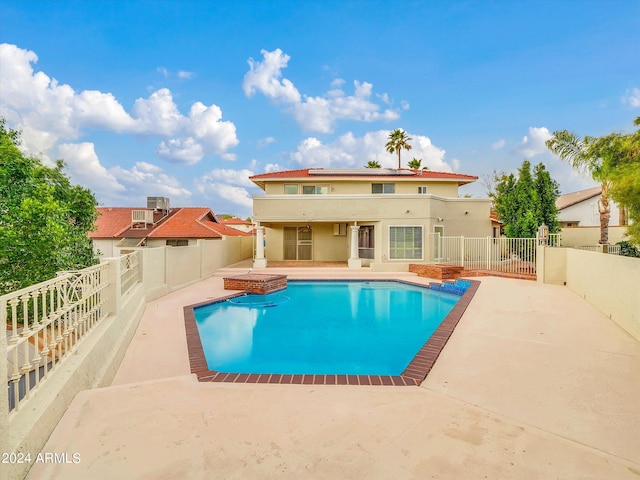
(398, 140)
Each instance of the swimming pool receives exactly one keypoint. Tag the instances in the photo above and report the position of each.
(322, 328)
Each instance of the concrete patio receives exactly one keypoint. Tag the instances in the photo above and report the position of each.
(534, 383)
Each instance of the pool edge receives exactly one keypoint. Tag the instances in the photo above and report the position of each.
(413, 375)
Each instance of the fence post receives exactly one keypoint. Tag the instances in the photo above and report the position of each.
(462, 251)
(4, 398)
(114, 280)
(488, 252)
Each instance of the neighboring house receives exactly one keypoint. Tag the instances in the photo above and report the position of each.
(119, 228)
(239, 224)
(580, 209)
(362, 216)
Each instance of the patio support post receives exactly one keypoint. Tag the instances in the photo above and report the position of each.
(354, 258)
(260, 261)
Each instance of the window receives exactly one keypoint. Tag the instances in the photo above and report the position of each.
(422, 189)
(340, 229)
(383, 188)
(177, 242)
(291, 189)
(405, 242)
(315, 189)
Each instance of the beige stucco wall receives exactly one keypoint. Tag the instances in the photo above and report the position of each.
(338, 187)
(458, 216)
(572, 236)
(608, 282)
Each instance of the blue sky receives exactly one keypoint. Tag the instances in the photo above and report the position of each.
(186, 99)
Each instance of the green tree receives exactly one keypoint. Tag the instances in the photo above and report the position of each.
(581, 154)
(621, 155)
(398, 140)
(372, 164)
(44, 220)
(525, 202)
(547, 191)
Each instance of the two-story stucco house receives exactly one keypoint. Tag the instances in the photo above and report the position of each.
(382, 218)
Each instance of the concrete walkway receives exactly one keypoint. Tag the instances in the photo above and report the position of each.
(533, 384)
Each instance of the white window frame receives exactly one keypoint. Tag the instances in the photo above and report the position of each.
(318, 189)
(421, 227)
(290, 185)
(385, 187)
(422, 189)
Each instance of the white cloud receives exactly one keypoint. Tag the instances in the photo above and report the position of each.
(315, 114)
(263, 142)
(185, 74)
(534, 143)
(184, 150)
(265, 77)
(632, 97)
(49, 112)
(85, 168)
(499, 144)
(227, 184)
(149, 179)
(349, 151)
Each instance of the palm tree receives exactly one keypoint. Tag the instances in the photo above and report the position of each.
(416, 164)
(372, 164)
(583, 154)
(398, 140)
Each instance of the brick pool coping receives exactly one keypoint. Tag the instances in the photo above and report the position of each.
(413, 375)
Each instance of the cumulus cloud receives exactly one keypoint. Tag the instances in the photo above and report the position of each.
(632, 97)
(534, 143)
(263, 142)
(265, 77)
(315, 114)
(150, 179)
(349, 151)
(499, 144)
(85, 167)
(228, 184)
(48, 112)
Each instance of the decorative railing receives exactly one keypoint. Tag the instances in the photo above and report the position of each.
(129, 271)
(45, 322)
(510, 255)
(611, 249)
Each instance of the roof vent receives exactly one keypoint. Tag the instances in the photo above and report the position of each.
(141, 218)
(158, 203)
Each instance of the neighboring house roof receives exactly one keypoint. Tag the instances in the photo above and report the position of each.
(185, 222)
(362, 173)
(235, 221)
(569, 199)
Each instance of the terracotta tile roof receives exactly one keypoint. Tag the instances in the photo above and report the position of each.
(234, 221)
(186, 222)
(362, 173)
(564, 201)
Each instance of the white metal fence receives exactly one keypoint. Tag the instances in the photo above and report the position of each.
(510, 255)
(610, 249)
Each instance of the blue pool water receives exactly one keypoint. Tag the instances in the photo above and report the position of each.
(369, 328)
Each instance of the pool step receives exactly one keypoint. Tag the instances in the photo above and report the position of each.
(458, 287)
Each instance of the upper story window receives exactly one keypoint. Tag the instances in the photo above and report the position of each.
(177, 242)
(291, 189)
(422, 189)
(383, 188)
(315, 189)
